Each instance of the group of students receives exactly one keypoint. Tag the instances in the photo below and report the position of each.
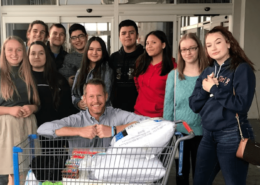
(208, 85)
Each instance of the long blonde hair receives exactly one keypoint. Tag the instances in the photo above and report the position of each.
(7, 85)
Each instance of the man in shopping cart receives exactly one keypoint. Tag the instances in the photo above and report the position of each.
(98, 121)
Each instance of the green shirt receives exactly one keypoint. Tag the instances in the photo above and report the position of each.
(184, 89)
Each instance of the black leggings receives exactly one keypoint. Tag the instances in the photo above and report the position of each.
(189, 155)
(3, 179)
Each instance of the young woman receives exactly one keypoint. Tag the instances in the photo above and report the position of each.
(151, 72)
(37, 31)
(19, 101)
(223, 89)
(54, 90)
(191, 62)
(94, 65)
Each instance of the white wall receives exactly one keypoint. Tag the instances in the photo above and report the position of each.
(250, 31)
(236, 19)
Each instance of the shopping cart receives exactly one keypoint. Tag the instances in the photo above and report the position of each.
(90, 165)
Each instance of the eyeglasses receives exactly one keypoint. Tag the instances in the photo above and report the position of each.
(193, 49)
(81, 37)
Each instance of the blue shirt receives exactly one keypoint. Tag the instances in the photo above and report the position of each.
(55, 55)
(110, 117)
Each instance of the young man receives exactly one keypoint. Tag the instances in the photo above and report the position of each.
(37, 31)
(123, 64)
(78, 39)
(56, 40)
(97, 120)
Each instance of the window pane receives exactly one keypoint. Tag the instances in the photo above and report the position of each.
(18, 30)
(182, 21)
(203, 1)
(29, 2)
(90, 26)
(121, 2)
(145, 1)
(102, 30)
(194, 20)
(80, 2)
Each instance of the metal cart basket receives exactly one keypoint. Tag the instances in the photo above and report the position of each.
(59, 164)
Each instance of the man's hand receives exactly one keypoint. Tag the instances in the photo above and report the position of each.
(88, 132)
(71, 80)
(103, 131)
(82, 105)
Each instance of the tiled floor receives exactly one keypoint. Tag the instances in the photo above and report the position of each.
(253, 177)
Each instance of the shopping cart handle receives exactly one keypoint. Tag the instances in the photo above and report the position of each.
(187, 127)
(185, 124)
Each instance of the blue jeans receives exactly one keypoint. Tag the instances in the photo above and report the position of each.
(217, 151)
(3, 179)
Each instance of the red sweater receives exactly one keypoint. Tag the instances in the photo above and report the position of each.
(151, 91)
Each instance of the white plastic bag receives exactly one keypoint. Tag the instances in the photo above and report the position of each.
(31, 180)
(121, 168)
(153, 132)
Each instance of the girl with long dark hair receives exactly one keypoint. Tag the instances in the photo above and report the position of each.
(54, 92)
(151, 72)
(224, 89)
(94, 64)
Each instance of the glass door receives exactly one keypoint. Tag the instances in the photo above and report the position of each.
(94, 26)
(100, 27)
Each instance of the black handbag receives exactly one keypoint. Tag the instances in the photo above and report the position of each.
(248, 149)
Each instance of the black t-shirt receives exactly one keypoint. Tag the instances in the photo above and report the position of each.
(18, 99)
(48, 112)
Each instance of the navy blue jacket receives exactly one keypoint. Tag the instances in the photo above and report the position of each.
(218, 112)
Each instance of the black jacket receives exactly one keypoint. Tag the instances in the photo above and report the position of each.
(48, 112)
(60, 58)
(124, 93)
